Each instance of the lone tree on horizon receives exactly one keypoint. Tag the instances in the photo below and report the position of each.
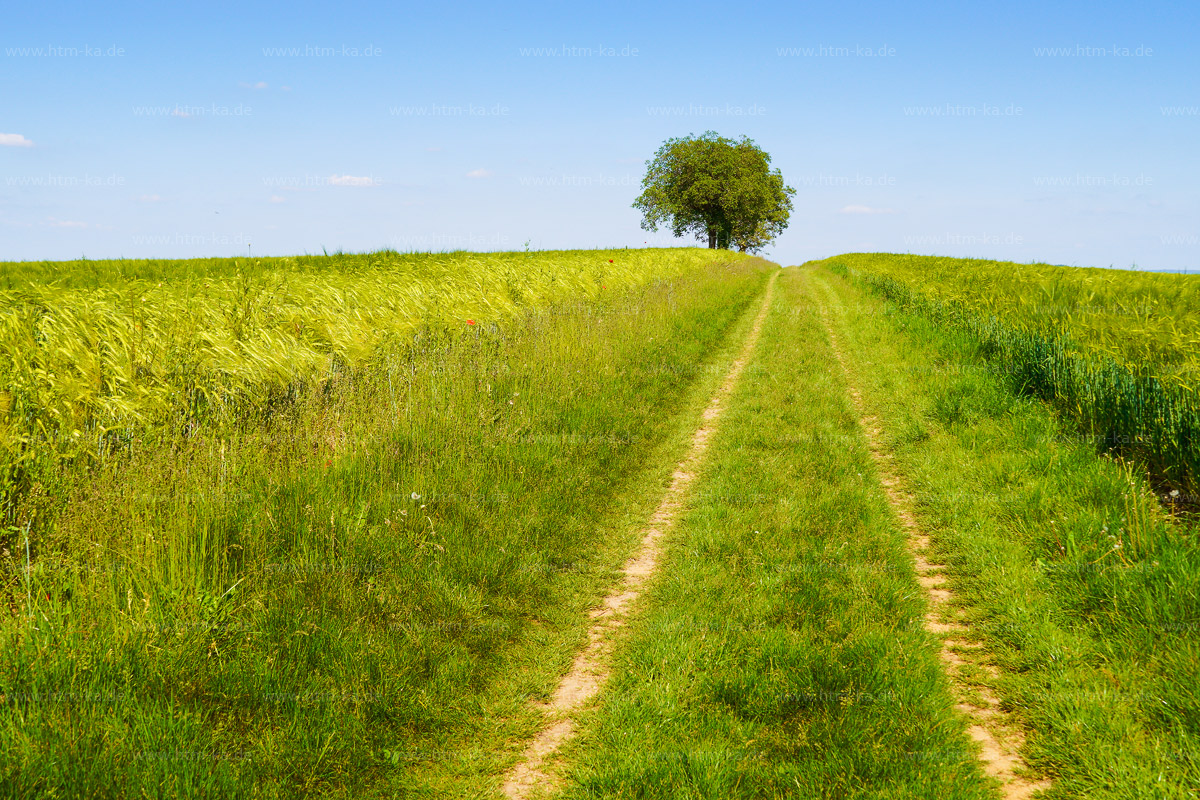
(718, 189)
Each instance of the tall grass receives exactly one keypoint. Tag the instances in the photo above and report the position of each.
(320, 595)
(1117, 353)
(1136, 317)
(95, 353)
(1068, 576)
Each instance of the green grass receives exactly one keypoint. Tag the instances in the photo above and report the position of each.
(95, 353)
(350, 579)
(777, 655)
(1117, 352)
(1079, 588)
(335, 598)
(1146, 317)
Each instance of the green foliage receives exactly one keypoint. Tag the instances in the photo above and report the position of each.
(1118, 352)
(776, 655)
(93, 353)
(1066, 574)
(330, 598)
(720, 190)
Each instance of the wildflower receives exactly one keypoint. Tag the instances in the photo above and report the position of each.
(1174, 493)
(415, 496)
(403, 513)
(610, 261)
(470, 322)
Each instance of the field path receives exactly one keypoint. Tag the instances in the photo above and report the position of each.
(591, 669)
(999, 740)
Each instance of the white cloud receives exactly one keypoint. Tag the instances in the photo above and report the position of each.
(14, 140)
(866, 210)
(351, 180)
(63, 223)
(277, 199)
(150, 198)
(179, 112)
(479, 173)
(259, 85)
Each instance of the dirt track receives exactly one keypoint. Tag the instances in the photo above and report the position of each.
(999, 740)
(591, 668)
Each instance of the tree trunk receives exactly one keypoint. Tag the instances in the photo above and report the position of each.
(712, 238)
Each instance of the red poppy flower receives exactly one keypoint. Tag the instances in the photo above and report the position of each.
(470, 322)
(610, 261)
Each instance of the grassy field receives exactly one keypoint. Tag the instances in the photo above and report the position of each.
(1117, 351)
(325, 598)
(96, 353)
(777, 657)
(782, 652)
(1076, 586)
(337, 526)
(1149, 318)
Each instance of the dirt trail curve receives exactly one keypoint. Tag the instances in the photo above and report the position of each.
(591, 667)
(999, 740)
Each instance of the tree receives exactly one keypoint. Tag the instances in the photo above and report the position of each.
(717, 189)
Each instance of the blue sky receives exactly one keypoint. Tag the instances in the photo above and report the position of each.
(1059, 132)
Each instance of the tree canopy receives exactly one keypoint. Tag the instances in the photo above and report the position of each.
(722, 191)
